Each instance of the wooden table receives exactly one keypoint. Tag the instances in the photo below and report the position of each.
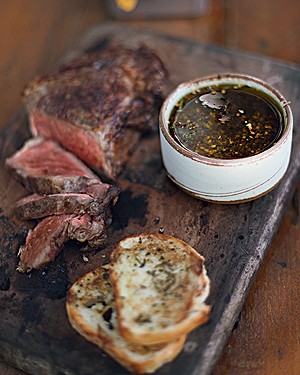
(272, 299)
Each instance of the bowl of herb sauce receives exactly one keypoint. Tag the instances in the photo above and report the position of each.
(226, 138)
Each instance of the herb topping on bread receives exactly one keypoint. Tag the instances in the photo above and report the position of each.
(91, 311)
(160, 286)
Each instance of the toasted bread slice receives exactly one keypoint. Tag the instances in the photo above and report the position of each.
(160, 285)
(91, 311)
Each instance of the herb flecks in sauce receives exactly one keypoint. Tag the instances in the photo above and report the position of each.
(226, 122)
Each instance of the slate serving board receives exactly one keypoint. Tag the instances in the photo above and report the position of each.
(34, 331)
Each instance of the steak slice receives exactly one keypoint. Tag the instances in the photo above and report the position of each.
(45, 168)
(47, 239)
(74, 200)
(87, 228)
(98, 105)
(36, 206)
(43, 243)
(40, 157)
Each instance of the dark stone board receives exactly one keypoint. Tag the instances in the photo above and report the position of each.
(35, 334)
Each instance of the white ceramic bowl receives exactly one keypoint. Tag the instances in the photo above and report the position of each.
(225, 180)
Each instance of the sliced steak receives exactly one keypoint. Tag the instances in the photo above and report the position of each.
(36, 206)
(43, 243)
(42, 157)
(46, 168)
(86, 228)
(47, 239)
(73, 200)
(98, 105)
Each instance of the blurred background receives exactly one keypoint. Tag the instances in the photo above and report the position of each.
(35, 34)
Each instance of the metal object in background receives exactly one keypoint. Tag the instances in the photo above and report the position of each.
(126, 5)
(157, 9)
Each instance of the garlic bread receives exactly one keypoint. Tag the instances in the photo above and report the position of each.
(160, 286)
(91, 311)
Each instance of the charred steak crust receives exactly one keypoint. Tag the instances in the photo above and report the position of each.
(36, 206)
(117, 85)
(98, 105)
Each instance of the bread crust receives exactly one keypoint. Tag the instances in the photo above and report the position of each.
(169, 301)
(88, 301)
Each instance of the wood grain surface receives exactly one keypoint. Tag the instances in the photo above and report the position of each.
(234, 239)
(265, 339)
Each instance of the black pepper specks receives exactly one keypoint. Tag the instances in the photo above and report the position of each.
(226, 122)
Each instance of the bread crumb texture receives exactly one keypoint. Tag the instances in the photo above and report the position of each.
(92, 313)
(159, 281)
(141, 306)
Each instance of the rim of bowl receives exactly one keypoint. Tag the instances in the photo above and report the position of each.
(231, 78)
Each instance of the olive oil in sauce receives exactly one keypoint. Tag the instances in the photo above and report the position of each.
(226, 122)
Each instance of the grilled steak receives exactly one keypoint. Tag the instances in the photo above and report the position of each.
(36, 206)
(43, 243)
(98, 105)
(45, 168)
(46, 240)
(44, 157)
(88, 228)
(73, 201)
